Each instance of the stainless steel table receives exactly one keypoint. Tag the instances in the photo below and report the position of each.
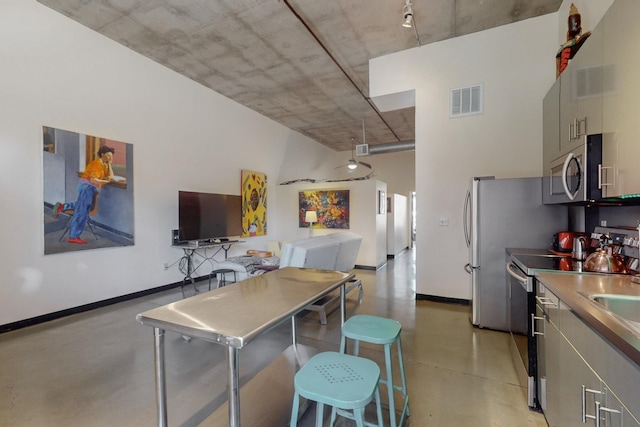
(235, 315)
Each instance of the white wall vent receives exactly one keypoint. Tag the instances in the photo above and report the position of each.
(466, 101)
(362, 150)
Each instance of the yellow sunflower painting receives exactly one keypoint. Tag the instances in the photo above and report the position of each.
(254, 204)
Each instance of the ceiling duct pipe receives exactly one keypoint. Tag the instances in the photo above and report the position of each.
(392, 147)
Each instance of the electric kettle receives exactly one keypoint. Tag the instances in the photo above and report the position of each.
(579, 251)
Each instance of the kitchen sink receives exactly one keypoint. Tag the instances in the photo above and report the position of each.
(624, 307)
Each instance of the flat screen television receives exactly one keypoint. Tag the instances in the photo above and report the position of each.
(205, 216)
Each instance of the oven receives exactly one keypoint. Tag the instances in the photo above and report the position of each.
(522, 310)
(521, 301)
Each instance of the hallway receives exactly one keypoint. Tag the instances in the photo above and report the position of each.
(96, 368)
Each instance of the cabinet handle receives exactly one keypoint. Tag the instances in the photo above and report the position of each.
(578, 133)
(601, 182)
(571, 127)
(545, 301)
(586, 416)
(533, 325)
(515, 275)
(600, 408)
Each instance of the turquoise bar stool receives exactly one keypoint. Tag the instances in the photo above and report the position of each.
(379, 330)
(345, 382)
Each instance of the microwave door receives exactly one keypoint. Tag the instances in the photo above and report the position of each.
(572, 177)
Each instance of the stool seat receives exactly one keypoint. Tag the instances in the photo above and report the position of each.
(222, 280)
(342, 381)
(372, 329)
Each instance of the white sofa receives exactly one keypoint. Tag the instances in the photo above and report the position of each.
(336, 252)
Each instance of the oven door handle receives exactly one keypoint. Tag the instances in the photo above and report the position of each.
(512, 273)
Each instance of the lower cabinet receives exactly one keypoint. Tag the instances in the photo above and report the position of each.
(574, 394)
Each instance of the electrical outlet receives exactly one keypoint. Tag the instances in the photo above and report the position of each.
(444, 222)
(166, 265)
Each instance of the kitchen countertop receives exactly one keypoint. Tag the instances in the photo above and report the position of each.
(567, 286)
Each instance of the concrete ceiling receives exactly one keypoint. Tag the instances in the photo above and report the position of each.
(302, 63)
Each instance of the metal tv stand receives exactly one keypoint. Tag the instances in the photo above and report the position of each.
(198, 249)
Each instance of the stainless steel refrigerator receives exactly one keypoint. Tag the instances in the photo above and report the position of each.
(500, 214)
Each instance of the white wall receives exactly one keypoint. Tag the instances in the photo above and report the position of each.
(364, 219)
(398, 236)
(58, 73)
(516, 64)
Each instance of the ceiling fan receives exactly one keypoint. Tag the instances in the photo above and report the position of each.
(353, 163)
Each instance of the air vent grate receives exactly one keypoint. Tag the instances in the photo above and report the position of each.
(466, 101)
(362, 150)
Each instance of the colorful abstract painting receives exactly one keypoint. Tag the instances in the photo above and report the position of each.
(254, 204)
(332, 207)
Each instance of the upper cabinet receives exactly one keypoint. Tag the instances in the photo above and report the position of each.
(621, 98)
(581, 86)
(551, 127)
(599, 92)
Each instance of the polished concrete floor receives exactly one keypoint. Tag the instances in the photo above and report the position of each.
(96, 368)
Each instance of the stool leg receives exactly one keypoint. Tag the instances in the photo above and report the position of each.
(356, 347)
(379, 407)
(333, 416)
(358, 414)
(319, 414)
(389, 382)
(404, 390)
(343, 345)
(294, 410)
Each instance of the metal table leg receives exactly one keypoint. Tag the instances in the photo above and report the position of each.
(343, 305)
(161, 383)
(232, 386)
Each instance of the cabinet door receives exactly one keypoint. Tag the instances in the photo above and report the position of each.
(553, 404)
(581, 91)
(621, 99)
(550, 127)
(577, 383)
(613, 413)
(542, 324)
(568, 107)
(589, 81)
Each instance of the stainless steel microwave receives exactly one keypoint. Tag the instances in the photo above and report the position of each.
(575, 177)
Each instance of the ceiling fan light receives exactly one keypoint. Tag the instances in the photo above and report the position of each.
(407, 15)
(352, 165)
(408, 21)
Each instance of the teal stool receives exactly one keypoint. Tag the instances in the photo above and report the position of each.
(379, 330)
(345, 382)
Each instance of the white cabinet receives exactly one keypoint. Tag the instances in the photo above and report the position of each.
(621, 99)
(581, 91)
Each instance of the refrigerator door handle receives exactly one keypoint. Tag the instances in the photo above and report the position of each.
(465, 219)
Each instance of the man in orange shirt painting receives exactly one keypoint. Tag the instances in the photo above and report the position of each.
(96, 174)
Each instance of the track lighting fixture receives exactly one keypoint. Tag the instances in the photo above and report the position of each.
(407, 14)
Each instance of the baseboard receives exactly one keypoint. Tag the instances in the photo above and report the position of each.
(87, 307)
(447, 300)
(365, 267)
